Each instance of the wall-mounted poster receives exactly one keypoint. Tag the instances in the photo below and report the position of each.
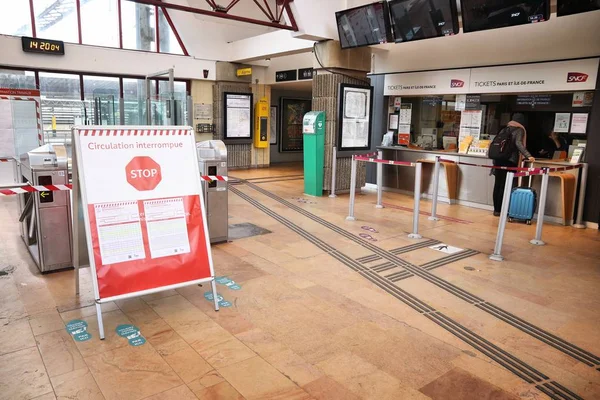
(579, 123)
(273, 127)
(561, 122)
(355, 109)
(292, 112)
(237, 120)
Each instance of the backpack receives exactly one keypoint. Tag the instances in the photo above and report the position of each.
(502, 146)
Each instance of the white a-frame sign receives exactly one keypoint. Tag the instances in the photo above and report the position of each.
(139, 190)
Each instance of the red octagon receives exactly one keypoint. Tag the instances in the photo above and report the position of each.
(143, 173)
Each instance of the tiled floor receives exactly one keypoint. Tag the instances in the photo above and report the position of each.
(313, 322)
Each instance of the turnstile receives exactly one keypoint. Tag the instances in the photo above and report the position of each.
(212, 159)
(46, 216)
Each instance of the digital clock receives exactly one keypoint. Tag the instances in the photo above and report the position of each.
(32, 45)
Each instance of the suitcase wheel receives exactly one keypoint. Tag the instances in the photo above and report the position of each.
(510, 219)
(528, 222)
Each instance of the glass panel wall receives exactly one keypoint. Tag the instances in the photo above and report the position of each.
(17, 22)
(101, 95)
(134, 97)
(56, 20)
(139, 26)
(16, 79)
(61, 105)
(100, 22)
(168, 40)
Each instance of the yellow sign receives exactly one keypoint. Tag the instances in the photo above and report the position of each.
(53, 123)
(244, 71)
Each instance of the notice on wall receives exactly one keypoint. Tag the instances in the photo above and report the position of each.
(7, 138)
(405, 116)
(460, 102)
(393, 121)
(203, 111)
(583, 99)
(397, 102)
(470, 124)
(561, 122)
(144, 216)
(579, 123)
(238, 116)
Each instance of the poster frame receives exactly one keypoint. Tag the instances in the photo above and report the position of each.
(238, 140)
(340, 120)
(283, 125)
(273, 125)
(80, 198)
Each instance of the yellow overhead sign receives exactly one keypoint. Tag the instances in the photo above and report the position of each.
(244, 71)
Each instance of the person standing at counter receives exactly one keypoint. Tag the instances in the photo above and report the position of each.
(506, 151)
(555, 143)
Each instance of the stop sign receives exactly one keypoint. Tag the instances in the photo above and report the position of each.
(143, 173)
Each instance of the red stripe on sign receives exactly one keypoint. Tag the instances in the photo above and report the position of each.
(162, 133)
(122, 132)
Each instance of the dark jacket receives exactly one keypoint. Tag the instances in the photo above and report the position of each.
(517, 136)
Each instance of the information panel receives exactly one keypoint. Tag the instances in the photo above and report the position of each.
(238, 116)
(143, 210)
(355, 109)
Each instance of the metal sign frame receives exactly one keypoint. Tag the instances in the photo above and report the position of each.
(80, 196)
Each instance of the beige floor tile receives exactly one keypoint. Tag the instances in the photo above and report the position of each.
(45, 322)
(179, 393)
(325, 388)
(294, 367)
(88, 311)
(16, 336)
(220, 391)
(465, 386)
(112, 341)
(23, 375)
(132, 372)
(255, 378)
(47, 396)
(224, 353)
(59, 353)
(211, 378)
(261, 342)
(79, 384)
(184, 360)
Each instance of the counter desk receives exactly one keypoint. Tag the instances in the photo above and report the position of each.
(473, 186)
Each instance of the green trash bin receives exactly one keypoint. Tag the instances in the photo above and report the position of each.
(313, 134)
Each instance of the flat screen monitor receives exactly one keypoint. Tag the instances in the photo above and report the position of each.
(364, 26)
(423, 19)
(569, 7)
(478, 15)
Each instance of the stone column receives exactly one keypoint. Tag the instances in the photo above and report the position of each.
(238, 155)
(337, 66)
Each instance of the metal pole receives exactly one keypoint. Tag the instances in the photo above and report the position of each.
(416, 211)
(350, 216)
(100, 323)
(333, 172)
(503, 217)
(579, 221)
(215, 295)
(379, 180)
(121, 111)
(436, 183)
(540, 219)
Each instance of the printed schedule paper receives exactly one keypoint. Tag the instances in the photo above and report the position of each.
(167, 228)
(119, 232)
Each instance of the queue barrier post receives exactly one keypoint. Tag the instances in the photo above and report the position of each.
(497, 256)
(350, 216)
(379, 180)
(418, 173)
(579, 221)
(542, 208)
(333, 172)
(436, 182)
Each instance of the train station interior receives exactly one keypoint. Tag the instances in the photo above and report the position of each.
(300, 199)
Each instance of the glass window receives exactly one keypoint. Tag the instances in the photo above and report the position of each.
(16, 79)
(56, 20)
(59, 86)
(163, 87)
(139, 26)
(16, 19)
(168, 41)
(101, 96)
(100, 22)
(134, 97)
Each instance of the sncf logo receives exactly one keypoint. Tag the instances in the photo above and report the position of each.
(456, 83)
(576, 77)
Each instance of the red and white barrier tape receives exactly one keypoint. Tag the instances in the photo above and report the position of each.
(30, 189)
(53, 188)
(494, 166)
(565, 168)
(380, 161)
(6, 159)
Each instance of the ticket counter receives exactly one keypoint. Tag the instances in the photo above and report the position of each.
(473, 186)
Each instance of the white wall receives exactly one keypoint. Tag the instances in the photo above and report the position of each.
(104, 60)
(295, 61)
(574, 36)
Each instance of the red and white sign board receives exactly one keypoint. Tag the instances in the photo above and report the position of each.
(144, 214)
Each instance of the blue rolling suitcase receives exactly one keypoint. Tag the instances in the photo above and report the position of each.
(523, 202)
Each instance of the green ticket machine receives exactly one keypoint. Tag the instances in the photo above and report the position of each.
(313, 132)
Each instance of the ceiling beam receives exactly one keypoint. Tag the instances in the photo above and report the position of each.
(217, 14)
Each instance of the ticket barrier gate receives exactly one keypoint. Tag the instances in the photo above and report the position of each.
(45, 217)
(212, 159)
